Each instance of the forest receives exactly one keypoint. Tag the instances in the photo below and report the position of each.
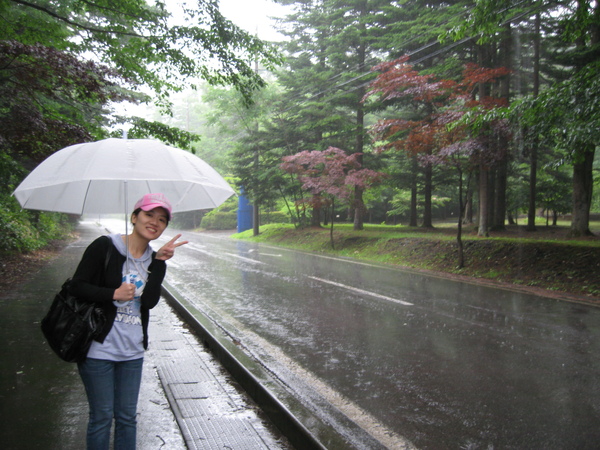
(484, 113)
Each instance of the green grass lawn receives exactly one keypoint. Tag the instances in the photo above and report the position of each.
(441, 231)
(547, 258)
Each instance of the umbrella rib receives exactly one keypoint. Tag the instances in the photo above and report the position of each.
(87, 190)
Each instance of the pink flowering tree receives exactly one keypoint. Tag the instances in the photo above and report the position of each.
(329, 175)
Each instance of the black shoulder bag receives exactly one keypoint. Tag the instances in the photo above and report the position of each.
(71, 324)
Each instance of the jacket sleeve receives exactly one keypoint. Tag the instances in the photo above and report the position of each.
(152, 290)
(89, 281)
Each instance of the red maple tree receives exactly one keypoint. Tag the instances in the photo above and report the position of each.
(328, 175)
(449, 130)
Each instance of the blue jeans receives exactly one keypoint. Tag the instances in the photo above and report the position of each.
(112, 390)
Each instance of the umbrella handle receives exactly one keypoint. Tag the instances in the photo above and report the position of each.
(126, 233)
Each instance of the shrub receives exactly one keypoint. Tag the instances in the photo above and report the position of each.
(25, 231)
(218, 220)
(227, 220)
(17, 233)
(274, 217)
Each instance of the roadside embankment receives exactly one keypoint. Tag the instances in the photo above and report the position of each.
(546, 262)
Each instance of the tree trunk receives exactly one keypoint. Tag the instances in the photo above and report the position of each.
(359, 204)
(468, 215)
(491, 197)
(315, 219)
(255, 219)
(533, 157)
(483, 59)
(502, 167)
(583, 182)
(510, 218)
(358, 209)
(461, 209)
(427, 216)
(534, 146)
(500, 194)
(413, 193)
(255, 207)
(583, 176)
(331, 228)
(483, 202)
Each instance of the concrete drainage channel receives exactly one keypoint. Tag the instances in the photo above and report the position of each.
(303, 427)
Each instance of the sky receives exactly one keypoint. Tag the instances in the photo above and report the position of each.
(253, 16)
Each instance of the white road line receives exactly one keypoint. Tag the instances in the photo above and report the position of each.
(250, 260)
(201, 250)
(362, 291)
(265, 254)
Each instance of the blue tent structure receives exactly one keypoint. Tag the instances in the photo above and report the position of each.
(244, 213)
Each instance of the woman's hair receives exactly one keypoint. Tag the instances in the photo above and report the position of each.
(137, 211)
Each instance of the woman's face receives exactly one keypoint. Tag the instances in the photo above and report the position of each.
(150, 224)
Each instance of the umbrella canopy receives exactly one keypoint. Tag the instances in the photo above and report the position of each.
(110, 175)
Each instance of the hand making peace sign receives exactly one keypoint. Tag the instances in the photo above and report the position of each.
(168, 250)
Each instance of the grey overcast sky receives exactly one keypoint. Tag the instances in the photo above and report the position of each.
(253, 16)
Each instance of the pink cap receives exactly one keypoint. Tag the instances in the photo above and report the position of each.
(151, 201)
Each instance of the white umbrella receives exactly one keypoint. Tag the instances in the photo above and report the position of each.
(110, 175)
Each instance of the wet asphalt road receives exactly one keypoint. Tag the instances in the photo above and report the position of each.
(441, 363)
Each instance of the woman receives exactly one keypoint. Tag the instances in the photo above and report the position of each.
(126, 291)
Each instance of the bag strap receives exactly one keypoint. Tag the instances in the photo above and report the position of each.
(108, 255)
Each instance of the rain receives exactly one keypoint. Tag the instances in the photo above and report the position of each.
(407, 356)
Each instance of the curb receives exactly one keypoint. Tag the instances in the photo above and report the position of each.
(249, 374)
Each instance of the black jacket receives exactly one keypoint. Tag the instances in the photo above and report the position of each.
(92, 284)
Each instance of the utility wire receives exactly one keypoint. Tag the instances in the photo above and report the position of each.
(416, 51)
